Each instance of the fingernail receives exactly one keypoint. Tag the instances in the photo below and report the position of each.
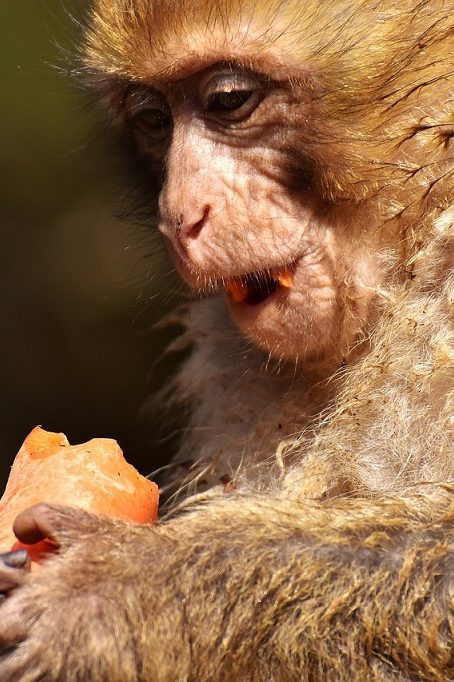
(17, 559)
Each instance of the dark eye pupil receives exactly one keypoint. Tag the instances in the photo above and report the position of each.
(229, 101)
(154, 119)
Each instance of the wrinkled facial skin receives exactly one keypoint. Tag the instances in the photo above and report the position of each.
(238, 215)
(292, 158)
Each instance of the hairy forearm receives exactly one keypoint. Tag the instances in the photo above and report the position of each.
(242, 588)
(270, 588)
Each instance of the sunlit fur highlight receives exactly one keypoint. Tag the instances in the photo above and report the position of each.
(321, 545)
(373, 434)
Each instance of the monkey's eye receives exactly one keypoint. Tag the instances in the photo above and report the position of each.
(228, 101)
(231, 97)
(153, 125)
(149, 117)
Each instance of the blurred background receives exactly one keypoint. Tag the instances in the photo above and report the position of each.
(80, 288)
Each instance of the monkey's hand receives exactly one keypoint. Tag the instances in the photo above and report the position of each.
(241, 588)
(79, 617)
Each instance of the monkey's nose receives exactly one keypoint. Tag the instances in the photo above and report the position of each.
(185, 227)
(189, 227)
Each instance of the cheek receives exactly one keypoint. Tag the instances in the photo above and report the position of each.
(255, 229)
(252, 222)
(261, 226)
(320, 316)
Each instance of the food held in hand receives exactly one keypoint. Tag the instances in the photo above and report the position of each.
(94, 476)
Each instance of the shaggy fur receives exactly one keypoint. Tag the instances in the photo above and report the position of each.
(320, 545)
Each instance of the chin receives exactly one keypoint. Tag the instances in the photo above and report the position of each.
(285, 331)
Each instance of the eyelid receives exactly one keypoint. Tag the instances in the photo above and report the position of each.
(137, 101)
(227, 81)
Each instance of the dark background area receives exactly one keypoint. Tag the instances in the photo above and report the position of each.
(80, 289)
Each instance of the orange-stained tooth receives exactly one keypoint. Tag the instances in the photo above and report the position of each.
(285, 279)
(237, 291)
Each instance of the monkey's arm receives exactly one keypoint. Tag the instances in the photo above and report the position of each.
(241, 584)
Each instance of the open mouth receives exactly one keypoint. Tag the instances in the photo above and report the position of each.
(256, 287)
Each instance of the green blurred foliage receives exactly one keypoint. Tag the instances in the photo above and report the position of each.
(79, 289)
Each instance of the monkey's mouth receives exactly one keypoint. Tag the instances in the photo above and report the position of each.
(256, 287)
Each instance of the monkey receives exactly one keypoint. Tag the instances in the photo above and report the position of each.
(299, 161)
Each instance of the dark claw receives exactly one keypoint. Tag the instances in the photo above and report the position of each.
(13, 567)
(17, 559)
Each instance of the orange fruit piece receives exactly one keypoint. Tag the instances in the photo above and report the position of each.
(94, 476)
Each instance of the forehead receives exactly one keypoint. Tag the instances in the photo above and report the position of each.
(148, 40)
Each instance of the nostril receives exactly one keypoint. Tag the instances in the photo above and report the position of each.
(197, 227)
(191, 230)
(179, 222)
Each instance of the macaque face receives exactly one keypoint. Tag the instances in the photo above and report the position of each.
(283, 178)
(237, 215)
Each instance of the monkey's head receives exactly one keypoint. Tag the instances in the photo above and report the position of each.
(284, 142)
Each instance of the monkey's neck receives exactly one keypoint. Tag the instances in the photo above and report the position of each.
(245, 407)
(369, 423)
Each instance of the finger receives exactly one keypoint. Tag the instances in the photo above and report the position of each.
(61, 525)
(34, 524)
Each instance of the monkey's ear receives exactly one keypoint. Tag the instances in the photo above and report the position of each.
(62, 525)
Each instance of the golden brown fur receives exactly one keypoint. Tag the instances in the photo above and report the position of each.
(321, 545)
